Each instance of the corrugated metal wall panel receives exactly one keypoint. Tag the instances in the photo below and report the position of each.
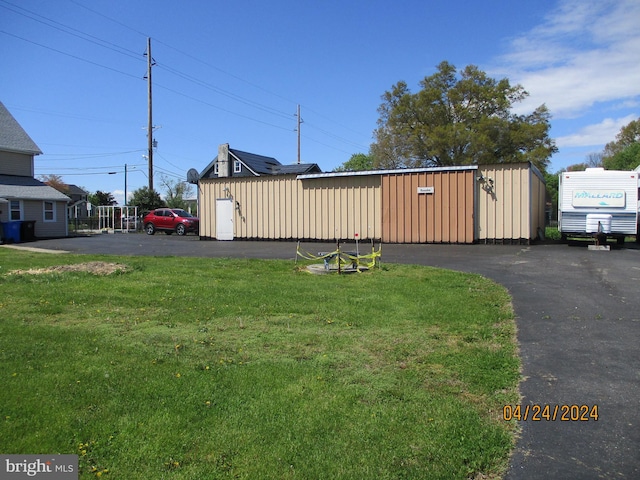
(444, 216)
(384, 206)
(283, 207)
(513, 208)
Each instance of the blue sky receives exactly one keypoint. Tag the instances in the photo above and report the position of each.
(234, 72)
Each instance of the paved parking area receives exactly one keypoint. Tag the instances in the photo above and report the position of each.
(578, 318)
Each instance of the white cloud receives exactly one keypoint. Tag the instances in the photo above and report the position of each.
(595, 135)
(586, 52)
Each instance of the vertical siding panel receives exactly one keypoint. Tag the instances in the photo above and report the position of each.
(510, 202)
(267, 208)
(459, 207)
(423, 181)
(291, 206)
(237, 190)
(385, 205)
(297, 195)
(470, 206)
(409, 201)
(446, 207)
(262, 209)
(404, 222)
(394, 210)
(429, 215)
(274, 214)
(255, 210)
(280, 209)
(343, 210)
(398, 211)
(415, 208)
(386, 208)
(499, 189)
(525, 206)
(310, 213)
(453, 206)
(437, 208)
(518, 204)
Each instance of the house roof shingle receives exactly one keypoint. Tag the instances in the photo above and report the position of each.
(261, 165)
(28, 188)
(13, 138)
(258, 163)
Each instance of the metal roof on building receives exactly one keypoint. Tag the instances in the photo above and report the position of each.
(13, 137)
(398, 171)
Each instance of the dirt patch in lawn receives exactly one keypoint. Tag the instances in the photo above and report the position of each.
(96, 268)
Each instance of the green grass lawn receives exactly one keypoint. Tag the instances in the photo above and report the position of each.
(188, 368)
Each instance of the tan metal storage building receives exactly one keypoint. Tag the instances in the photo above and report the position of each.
(510, 203)
(287, 207)
(502, 203)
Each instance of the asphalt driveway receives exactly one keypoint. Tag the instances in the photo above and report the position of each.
(578, 318)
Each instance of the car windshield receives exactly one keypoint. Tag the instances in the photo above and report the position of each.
(182, 213)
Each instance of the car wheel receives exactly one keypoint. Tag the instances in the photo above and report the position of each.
(180, 230)
(150, 229)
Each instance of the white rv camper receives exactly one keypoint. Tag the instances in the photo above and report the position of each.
(598, 201)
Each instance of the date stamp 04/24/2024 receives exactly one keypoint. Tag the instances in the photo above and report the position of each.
(550, 413)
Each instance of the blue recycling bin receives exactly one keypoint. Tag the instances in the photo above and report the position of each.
(11, 232)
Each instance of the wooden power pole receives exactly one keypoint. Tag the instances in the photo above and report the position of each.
(298, 130)
(150, 114)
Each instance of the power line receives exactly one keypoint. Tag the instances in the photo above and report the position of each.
(231, 112)
(116, 48)
(234, 76)
(70, 30)
(69, 55)
(84, 156)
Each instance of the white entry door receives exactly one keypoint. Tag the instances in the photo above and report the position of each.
(224, 218)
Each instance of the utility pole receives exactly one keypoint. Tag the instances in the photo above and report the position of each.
(298, 130)
(150, 64)
(125, 184)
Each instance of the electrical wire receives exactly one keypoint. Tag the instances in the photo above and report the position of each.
(118, 49)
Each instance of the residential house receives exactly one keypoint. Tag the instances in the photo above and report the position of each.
(78, 205)
(236, 163)
(22, 197)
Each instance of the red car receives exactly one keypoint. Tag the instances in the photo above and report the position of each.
(170, 220)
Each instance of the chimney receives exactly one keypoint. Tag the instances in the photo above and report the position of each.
(223, 160)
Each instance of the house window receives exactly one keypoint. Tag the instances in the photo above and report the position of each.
(237, 166)
(215, 168)
(15, 210)
(49, 212)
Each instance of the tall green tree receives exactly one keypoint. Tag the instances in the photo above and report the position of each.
(628, 135)
(626, 159)
(102, 198)
(357, 162)
(459, 118)
(146, 200)
(176, 192)
(624, 152)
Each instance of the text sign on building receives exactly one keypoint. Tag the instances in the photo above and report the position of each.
(598, 198)
(425, 190)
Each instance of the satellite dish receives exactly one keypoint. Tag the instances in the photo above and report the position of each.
(193, 176)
